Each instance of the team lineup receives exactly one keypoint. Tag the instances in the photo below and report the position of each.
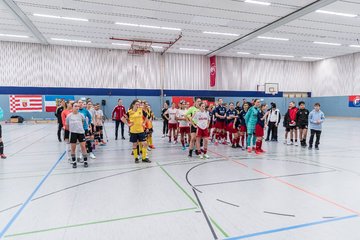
(242, 126)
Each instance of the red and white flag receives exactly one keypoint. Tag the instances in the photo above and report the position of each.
(26, 103)
(212, 71)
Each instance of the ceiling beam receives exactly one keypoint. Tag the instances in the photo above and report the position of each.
(21, 16)
(273, 25)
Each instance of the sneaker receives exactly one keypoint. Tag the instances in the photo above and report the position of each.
(136, 160)
(266, 140)
(163, 136)
(3, 156)
(103, 143)
(149, 149)
(233, 146)
(116, 138)
(317, 148)
(169, 141)
(254, 149)
(238, 146)
(224, 143)
(206, 156)
(74, 165)
(122, 138)
(175, 142)
(92, 155)
(249, 150)
(201, 156)
(310, 147)
(285, 142)
(187, 145)
(296, 143)
(79, 160)
(152, 146)
(147, 160)
(290, 143)
(183, 148)
(86, 164)
(257, 152)
(216, 143)
(262, 150)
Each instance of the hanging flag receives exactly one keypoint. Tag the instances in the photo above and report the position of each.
(354, 101)
(25, 103)
(52, 102)
(212, 71)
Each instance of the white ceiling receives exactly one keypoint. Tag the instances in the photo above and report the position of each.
(193, 17)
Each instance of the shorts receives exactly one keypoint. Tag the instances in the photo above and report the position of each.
(92, 127)
(0, 132)
(184, 130)
(243, 128)
(293, 127)
(173, 126)
(193, 129)
(150, 130)
(287, 129)
(259, 131)
(99, 128)
(202, 133)
(303, 126)
(137, 137)
(231, 129)
(220, 125)
(75, 137)
(66, 134)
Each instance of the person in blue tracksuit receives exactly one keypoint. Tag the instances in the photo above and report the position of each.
(88, 120)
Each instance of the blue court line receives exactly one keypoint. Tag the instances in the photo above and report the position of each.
(28, 200)
(291, 227)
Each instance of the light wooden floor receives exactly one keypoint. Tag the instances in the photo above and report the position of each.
(289, 193)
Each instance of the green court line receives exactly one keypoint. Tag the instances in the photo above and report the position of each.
(218, 227)
(177, 184)
(98, 222)
(196, 204)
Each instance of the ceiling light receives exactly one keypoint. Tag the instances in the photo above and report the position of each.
(147, 26)
(58, 17)
(157, 47)
(314, 58)
(12, 35)
(170, 28)
(75, 19)
(122, 44)
(194, 49)
(354, 46)
(273, 38)
(70, 40)
(225, 34)
(328, 43)
(336, 13)
(275, 55)
(243, 53)
(258, 2)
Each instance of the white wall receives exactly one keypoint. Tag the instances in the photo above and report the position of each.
(24, 64)
(338, 76)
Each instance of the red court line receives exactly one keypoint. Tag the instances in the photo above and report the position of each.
(296, 187)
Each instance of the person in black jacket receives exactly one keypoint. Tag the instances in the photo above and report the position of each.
(302, 120)
(58, 112)
(165, 119)
(286, 122)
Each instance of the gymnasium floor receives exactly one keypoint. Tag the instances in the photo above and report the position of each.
(288, 193)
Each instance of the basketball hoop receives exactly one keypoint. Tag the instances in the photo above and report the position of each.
(140, 48)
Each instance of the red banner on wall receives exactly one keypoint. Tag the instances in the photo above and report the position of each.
(212, 71)
(186, 99)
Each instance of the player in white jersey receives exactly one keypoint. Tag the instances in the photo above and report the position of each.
(184, 125)
(202, 121)
(99, 123)
(173, 124)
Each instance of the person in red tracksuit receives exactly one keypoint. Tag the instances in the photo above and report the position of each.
(292, 123)
(118, 112)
